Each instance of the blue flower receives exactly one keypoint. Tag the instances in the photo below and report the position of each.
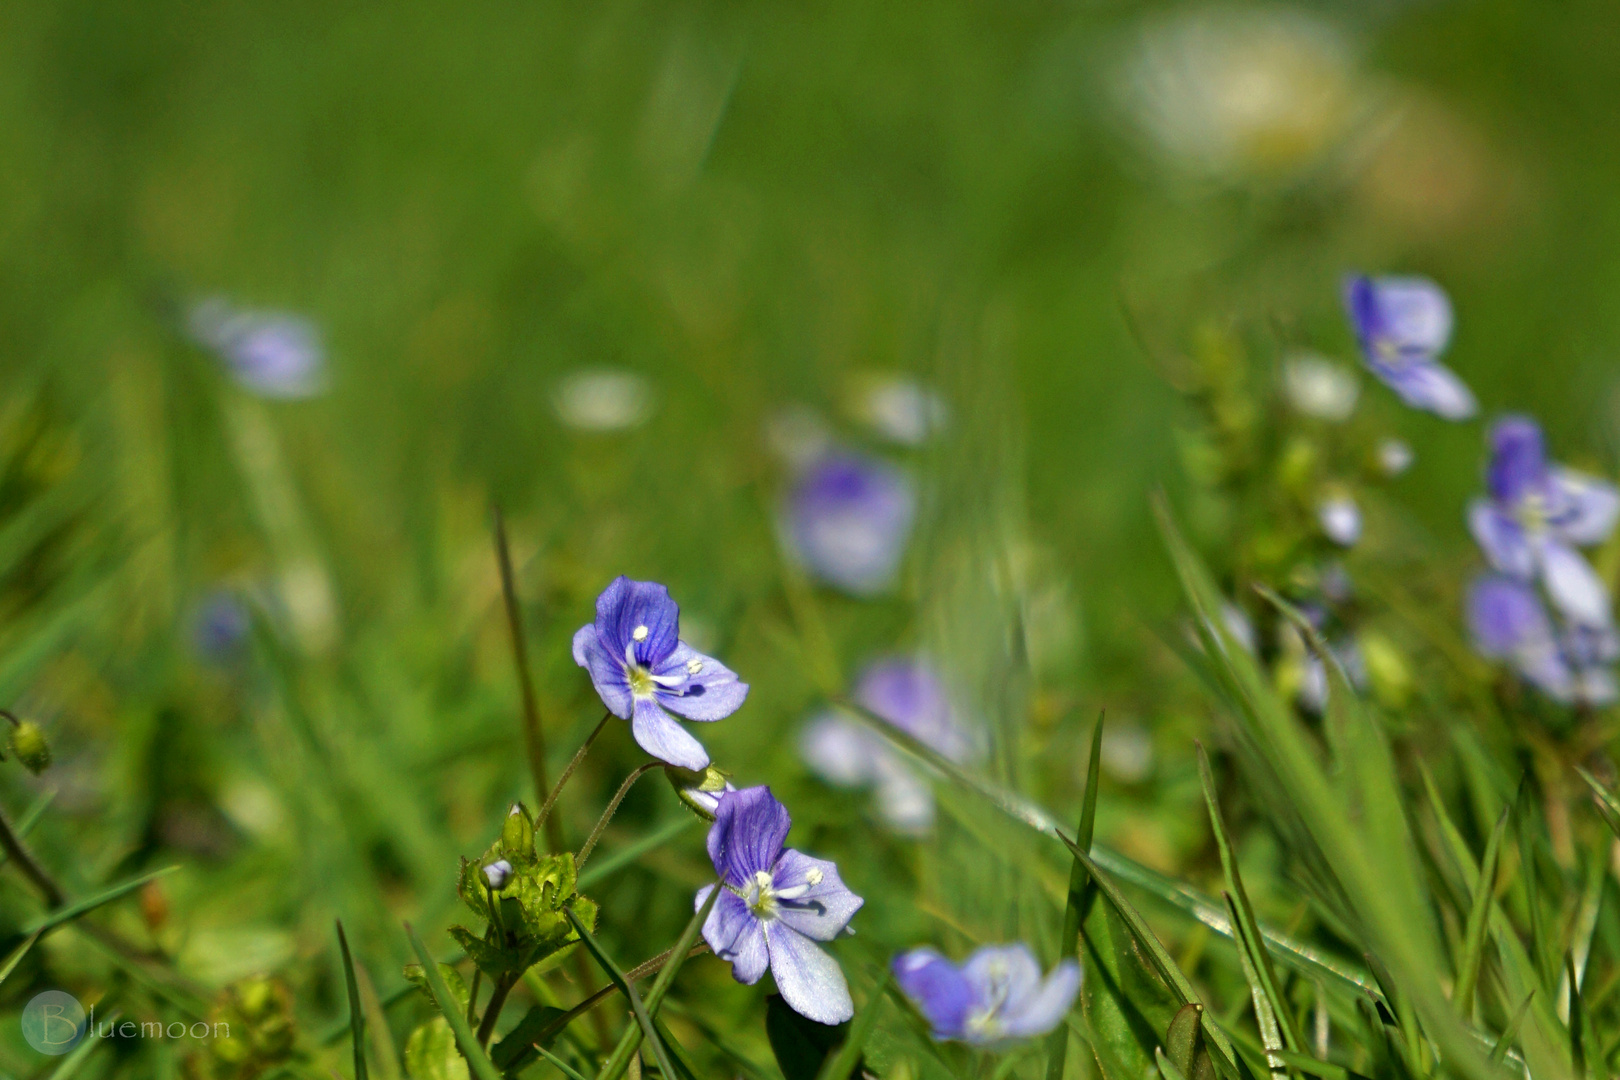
(640, 668)
(909, 694)
(271, 353)
(848, 519)
(1509, 622)
(1535, 517)
(1340, 518)
(997, 995)
(1403, 324)
(776, 904)
(221, 625)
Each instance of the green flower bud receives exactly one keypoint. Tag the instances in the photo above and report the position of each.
(28, 743)
(517, 834)
(699, 791)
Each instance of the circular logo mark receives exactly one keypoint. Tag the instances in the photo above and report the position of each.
(53, 1023)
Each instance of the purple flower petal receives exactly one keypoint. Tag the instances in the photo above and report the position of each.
(708, 690)
(661, 736)
(909, 694)
(848, 520)
(1586, 508)
(607, 672)
(838, 751)
(746, 838)
(638, 615)
(1573, 585)
(272, 353)
(938, 990)
(1502, 539)
(1405, 316)
(1518, 465)
(735, 935)
(811, 897)
(810, 980)
(1043, 1010)
(1430, 386)
(1505, 615)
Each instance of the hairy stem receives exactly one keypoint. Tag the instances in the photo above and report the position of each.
(579, 756)
(534, 739)
(19, 855)
(612, 808)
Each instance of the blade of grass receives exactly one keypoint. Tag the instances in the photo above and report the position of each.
(357, 1015)
(841, 1064)
(1271, 1008)
(637, 1006)
(559, 1064)
(382, 1037)
(1057, 1044)
(76, 1057)
(481, 1066)
(52, 919)
(16, 956)
(1478, 914)
(1577, 1023)
(1161, 960)
(630, 1041)
(1265, 1012)
(1505, 1041)
(1605, 803)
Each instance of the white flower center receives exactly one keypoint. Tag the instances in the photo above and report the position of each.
(759, 895)
(1532, 512)
(641, 680)
(986, 1022)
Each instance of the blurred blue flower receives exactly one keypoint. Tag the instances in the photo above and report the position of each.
(272, 353)
(776, 905)
(220, 625)
(997, 995)
(848, 519)
(909, 694)
(1340, 519)
(1509, 622)
(1537, 514)
(640, 668)
(1403, 324)
(1395, 456)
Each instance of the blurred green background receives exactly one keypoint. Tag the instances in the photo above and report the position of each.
(1026, 206)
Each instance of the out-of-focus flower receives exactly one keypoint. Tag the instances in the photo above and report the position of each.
(640, 668)
(220, 626)
(1508, 622)
(1318, 387)
(1403, 324)
(848, 520)
(798, 435)
(603, 399)
(909, 694)
(1537, 514)
(1127, 751)
(775, 905)
(897, 408)
(1235, 94)
(272, 353)
(1340, 519)
(997, 995)
(1394, 457)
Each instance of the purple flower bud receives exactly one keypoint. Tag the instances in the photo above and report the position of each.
(497, 874)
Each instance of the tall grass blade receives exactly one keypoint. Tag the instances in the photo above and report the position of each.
(357, 1015)
(76, 1057)
(68, 912)
(16, 956)
(1057, 1044)
(477, 1060)
(616, 976)
(560, 1065)
(630, 1041)
(1478, 913)
(841, 1064)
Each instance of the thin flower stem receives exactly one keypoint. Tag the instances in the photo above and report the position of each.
(635, 974)
(492, 1011)
(534, 739)
(19, 855)
(579, 756)
(612, 808)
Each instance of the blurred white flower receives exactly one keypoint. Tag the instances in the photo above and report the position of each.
(1316, 386)
(1127, 751)
(1340, 519)
(603, 399)
(272, 353)
(798, 435)
(1234, 93)
(1394, 457)
(897, 408)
